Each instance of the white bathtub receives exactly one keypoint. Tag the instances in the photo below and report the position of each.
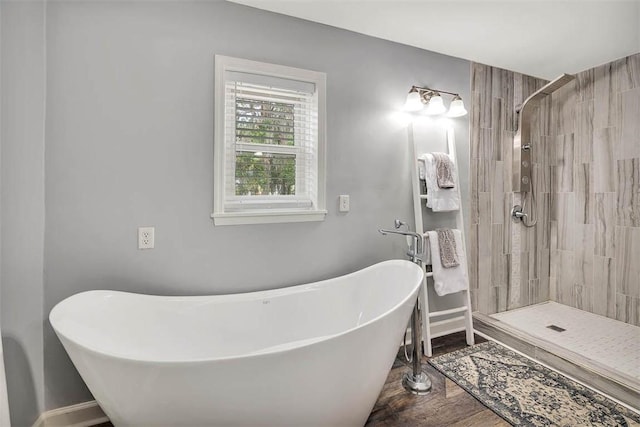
(308, 355)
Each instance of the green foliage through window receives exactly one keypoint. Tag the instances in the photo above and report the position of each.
(259, 172)
(264, 122)
(265, 174)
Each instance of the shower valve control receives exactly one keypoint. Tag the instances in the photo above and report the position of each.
(526, 147)
(525, 179)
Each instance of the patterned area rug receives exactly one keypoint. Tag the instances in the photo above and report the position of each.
(526, 393)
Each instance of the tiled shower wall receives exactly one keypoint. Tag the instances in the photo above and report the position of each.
(585, 250)
(504, 253)
(595, 208)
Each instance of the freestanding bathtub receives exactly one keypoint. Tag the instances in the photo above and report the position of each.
(309, 355)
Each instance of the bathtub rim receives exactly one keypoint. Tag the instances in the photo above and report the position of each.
(307, 343)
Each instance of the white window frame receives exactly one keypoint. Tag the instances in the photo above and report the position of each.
(267, 209)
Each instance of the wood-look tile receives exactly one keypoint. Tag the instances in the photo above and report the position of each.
(584, 252)
(584, 132)
(497, 194)
(545, 122)
(543, 232)
(563, 109)
(497, 77)
(565, 216)
(628, 72)
(498, 276)
(474, 125)
(515, 279)
(582, 298)
(477, 76)
(472, 257)
(627, 309)
(524, 279)
(486, 99)
(482, 169)
(584, 194)
(566, 277)
(541, 176)
(630, 124)
(553, 235)
(604, 290)
(585, 81)
(541, 154)
(534, 291)
(507, 160)
(606, 110)
(604, 221)
(510, 118)
(553, 288)
(518, 96)
(486, 144)
(531, 84)
(535, 133)
(605, 142)
(485, 254)
(446, 404)
(564, 163)
(508, 224)
(628, 192)
(473, 178)
(627, 256)
(533, 263)
(496, 128)
(544, 293)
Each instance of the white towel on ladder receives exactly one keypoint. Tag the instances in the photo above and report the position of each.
(447, 280)
(438, 199)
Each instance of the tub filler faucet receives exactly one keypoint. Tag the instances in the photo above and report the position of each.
(415, 250)
(416, 381)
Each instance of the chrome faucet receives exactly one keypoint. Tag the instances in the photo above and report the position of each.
(415, 251)
(416, 381)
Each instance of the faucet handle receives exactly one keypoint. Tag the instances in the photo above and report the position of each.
(398, 223)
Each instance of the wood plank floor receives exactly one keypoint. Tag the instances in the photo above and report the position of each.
(446, 405)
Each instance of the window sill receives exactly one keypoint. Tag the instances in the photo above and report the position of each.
(268, 217)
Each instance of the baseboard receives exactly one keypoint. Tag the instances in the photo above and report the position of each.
(85, 414)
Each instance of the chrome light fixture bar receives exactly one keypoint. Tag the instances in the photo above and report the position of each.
(419, 97)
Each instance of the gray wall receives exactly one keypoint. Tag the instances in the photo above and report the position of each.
(129, 142)
(22, 205)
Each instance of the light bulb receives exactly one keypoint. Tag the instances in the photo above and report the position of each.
(435, 105)
(414, 101)
(456, 109)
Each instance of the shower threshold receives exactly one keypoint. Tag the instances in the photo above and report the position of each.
(601, 352)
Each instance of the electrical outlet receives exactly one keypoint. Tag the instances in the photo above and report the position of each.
(146, 237)
(343, 203)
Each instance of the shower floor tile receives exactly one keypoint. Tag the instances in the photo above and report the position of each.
(608, 342)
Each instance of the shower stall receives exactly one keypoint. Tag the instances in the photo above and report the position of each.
(555, 223)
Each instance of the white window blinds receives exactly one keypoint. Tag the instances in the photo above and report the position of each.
(271, 143)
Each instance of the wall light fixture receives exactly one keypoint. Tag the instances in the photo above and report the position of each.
(418, 97)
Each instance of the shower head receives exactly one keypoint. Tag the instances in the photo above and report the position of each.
(545, 90)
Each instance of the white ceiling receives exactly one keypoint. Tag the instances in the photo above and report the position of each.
(542, 38)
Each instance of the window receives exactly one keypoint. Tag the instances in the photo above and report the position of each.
(269, 143)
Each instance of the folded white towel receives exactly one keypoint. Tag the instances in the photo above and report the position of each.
(421, 172)
(439, 199)
(448, 280)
